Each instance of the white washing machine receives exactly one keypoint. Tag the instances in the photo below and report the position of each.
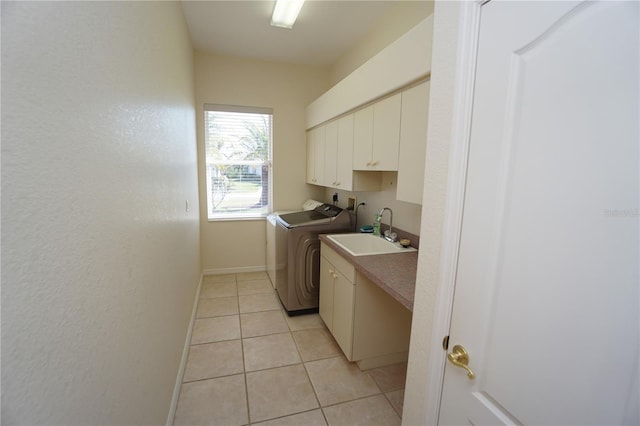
(271, 237)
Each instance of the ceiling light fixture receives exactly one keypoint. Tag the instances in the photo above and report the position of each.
(285, 13)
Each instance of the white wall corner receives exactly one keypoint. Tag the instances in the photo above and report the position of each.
(456, 32)
(405, 60)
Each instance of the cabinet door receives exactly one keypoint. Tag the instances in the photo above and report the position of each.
(343, 308)
(319, 146)
(413, 143)
(331, 154)
(311, 156)
(327, 272)
(344, 154)
(386, 134)
(363, 138)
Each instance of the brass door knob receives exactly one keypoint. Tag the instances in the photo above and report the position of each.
(460, 358)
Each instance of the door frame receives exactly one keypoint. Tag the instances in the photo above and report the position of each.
(468, 23)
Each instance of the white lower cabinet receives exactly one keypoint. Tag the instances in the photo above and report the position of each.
(327, 286)
(369, 325)
(337, 294)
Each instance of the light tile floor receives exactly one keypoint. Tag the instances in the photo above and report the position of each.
(251, 364)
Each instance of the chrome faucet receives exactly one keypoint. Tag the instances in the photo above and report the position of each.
(389, 235)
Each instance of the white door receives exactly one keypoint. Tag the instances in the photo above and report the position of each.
(547, 286)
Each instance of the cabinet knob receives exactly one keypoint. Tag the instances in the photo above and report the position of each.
(374, 163)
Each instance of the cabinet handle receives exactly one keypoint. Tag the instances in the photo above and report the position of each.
(368, 163)
(374, 163)
(337, 183)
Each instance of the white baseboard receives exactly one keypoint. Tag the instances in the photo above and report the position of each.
(237, 270)
(183, 361)
(383, 360)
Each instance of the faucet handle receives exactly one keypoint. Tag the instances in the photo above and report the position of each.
(390, 236)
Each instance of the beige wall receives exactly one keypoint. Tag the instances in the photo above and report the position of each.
(404, 16)
(406, 216)
(240, 245)
(100, 260)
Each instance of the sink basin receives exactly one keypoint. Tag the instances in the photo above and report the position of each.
(367, 244)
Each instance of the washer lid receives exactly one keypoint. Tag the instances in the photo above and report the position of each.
(318, 216)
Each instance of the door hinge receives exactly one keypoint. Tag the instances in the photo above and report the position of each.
(445, 343)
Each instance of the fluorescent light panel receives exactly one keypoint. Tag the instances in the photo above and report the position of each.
(285, 13)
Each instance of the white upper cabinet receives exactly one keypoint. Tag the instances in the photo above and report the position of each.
(363, 138)
(316, 155)
(413, 143)
(377, 135)
(338, 159)
(386, 133)
(331, 153)
(339, 153)
(344, 154)
(389, 135)
(311, 160)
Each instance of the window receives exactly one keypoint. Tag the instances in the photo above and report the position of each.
(238, 159)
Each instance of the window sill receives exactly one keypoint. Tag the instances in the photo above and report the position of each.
(237, 219)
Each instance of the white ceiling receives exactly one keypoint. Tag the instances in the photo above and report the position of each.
(325, 29)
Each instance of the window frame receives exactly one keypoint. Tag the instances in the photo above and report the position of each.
(208, 107)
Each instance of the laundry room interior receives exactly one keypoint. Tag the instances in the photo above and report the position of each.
(211, 216)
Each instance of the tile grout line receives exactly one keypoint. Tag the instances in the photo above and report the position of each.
(393, 406)
(217, 316)
(355, 399)
(213, 341)
(244, 372)
(244, 366)
(315, 393)
(290, 415)
(291, 331)
(383, 392)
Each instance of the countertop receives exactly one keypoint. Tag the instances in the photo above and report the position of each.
(394, 273)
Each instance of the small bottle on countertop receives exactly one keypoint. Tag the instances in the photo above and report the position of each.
(376, 225)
